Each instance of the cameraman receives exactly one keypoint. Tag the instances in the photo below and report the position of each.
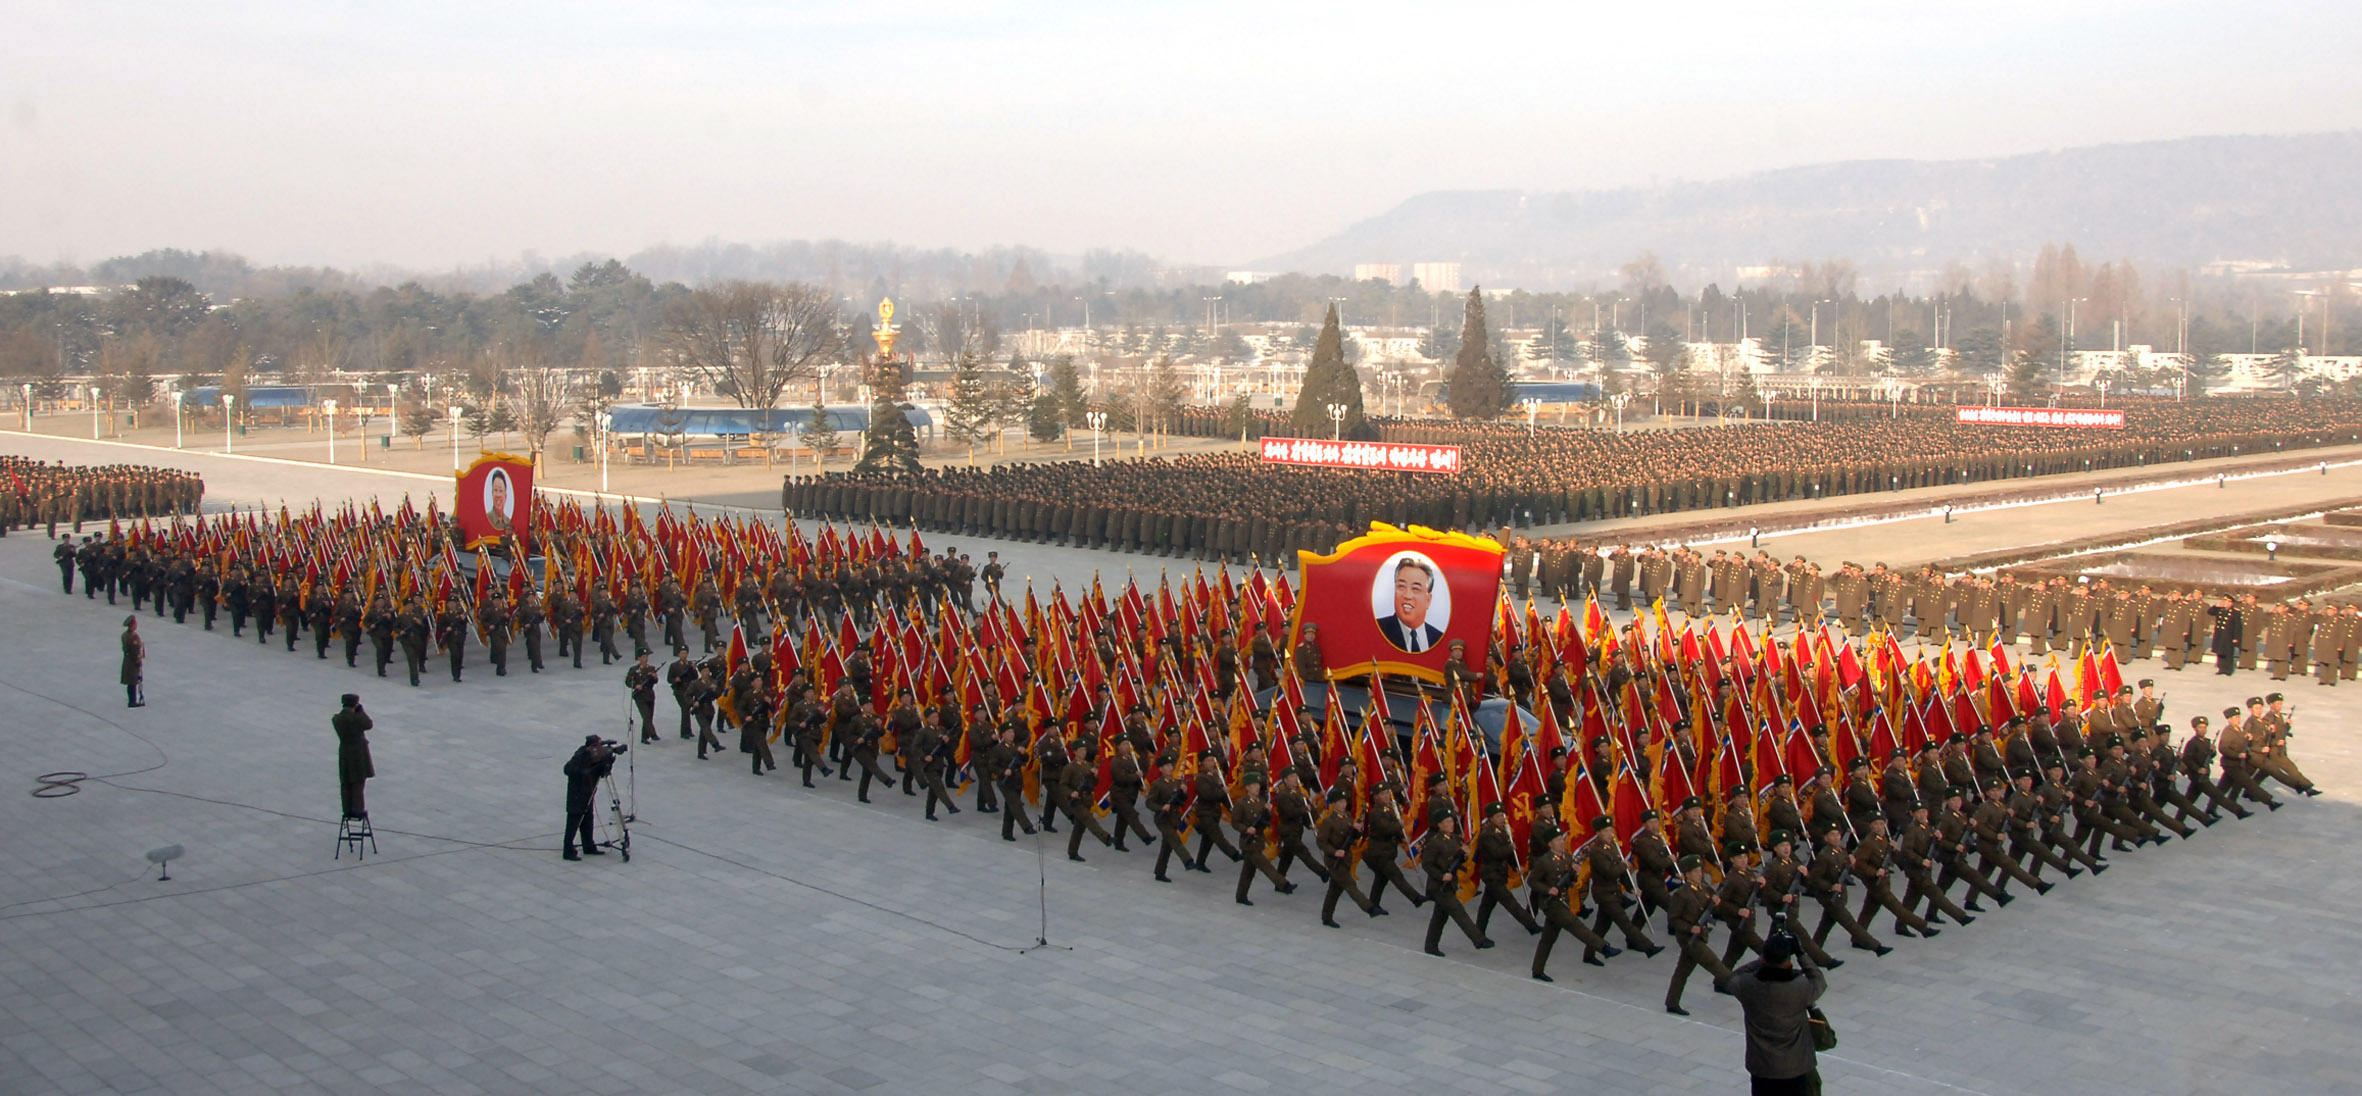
(589, 765)
(1777, 997)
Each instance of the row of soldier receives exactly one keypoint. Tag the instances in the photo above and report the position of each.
(1232, 506)
(46, 495)
(414, 625)
(2138, 621)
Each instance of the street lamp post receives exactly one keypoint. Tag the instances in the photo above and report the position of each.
(456, 412)
(392, 393)
(1336, 422)
(28, 408)
(1620, 399)
(1098, 421)
(330, 407)
(94, 412)
(1533, 406)
(180, 401)
(229, 423)
(606, 428)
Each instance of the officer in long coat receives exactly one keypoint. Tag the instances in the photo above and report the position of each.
(353, 766)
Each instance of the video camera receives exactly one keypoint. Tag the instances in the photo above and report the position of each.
(613, 746)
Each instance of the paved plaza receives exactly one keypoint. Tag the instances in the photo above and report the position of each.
(765, 938)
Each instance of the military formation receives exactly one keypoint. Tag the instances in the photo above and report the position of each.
(1232, 507)
(2178, 627)
(43, 495)
(1178, 719)
(397, 583)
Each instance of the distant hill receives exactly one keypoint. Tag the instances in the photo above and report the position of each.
(2284, 200)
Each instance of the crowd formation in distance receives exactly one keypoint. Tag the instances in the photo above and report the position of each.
(1721, 778)
(1232, 507)
(46, 495)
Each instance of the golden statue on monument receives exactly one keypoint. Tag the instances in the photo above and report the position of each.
(886, 329)
(885, 374)
(889, 444)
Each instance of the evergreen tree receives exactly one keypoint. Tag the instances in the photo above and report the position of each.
(2025, 376)
(1666, 352)
(1328, 380)
(967, 416)
(1238, 417)
(1165, 392)
(1066, 393)
(2203, 357)
(1480, 385)
(1045, 421)
(820, 434)
(2284, 366)
(1439, 344)
(1978, 352)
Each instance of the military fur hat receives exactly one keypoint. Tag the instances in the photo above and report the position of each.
(1602, 822)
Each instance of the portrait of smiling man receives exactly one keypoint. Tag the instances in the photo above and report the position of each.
(1408, 626)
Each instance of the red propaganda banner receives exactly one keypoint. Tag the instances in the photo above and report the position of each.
(1380, 455)
(495, 500)
(1399, 598)
(2040, 416)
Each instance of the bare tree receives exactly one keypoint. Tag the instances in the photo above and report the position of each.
(752, 340)
(540, 397)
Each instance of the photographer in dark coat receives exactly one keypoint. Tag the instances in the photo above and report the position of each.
(1778, 996)
(353, 766)
(584, 770)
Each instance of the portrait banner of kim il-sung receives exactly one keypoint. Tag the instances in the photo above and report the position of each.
(495, 501)
(1398, 598)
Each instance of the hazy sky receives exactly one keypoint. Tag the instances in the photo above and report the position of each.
(431, 134)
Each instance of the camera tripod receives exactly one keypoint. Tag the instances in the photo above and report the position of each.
(614, 825)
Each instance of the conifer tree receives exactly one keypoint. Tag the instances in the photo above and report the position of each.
(1480, 384)
(1328, 380)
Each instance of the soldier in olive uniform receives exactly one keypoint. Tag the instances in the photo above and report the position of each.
(1552, 886)
(1335, 834)
(1688, 912)
(1444, 858)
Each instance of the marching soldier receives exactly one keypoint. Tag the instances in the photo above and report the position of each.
(1783, 884)
(1252, 816)
(451, 631)
(1496, 854)
(1824, 880)
(1608, 875)
(1291, 812)
(1211, 801)
(1004, 764)
(1444, 858)
(1687, 911)
(1871, 867)
(641, 680)
(1123, 795)
(1552, 885)
(1385, 835)
(1336, 834)
(1168, 797)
